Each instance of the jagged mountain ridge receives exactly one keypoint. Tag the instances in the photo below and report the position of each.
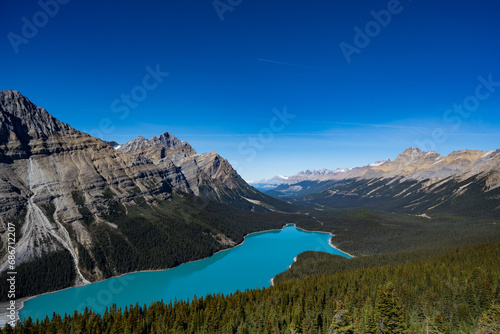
(165, 140)
(40, 154)
(415, 181)
(331, 174)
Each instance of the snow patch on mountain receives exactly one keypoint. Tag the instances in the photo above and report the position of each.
(487, 153)
(379, 163)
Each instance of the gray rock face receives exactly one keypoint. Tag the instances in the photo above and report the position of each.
(165, 140)
(208, 174)
(19, 114)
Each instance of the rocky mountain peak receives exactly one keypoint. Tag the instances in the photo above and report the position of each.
(415, 155)
(310, 172)
(18, 114)
(410, 152)
(412, 149)
(10, 95)
(163, 141)
(166, 140)
(277, 179)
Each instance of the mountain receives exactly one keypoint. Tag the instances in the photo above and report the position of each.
(208, 175)
(313, 175)
(466, 182)
(84, 209)
(329, 174)
(268, 184)
(186, 169)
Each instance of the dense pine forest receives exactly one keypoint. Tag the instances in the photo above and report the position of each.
(454, 292)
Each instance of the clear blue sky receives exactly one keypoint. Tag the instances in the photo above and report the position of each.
(227, 76)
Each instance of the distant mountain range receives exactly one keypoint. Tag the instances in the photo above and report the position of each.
(268, 184)
(465, 182)
(312, 175)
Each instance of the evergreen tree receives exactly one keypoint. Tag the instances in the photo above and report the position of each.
(489, 322)
(389, 311)
(7, 329)
(342, 321)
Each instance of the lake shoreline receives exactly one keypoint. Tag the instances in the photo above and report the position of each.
(330, 242)
(22, 301)
(333, 246)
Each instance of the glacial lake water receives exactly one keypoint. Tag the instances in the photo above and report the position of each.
(250, 265)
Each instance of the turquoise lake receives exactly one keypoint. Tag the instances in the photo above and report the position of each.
(250, 265)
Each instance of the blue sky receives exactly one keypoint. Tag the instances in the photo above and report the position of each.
(275, 86)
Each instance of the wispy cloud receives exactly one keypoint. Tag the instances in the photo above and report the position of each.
(256, 134)
(474, 134)
(374, 125)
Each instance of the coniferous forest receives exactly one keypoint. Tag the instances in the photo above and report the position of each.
(454, 292)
